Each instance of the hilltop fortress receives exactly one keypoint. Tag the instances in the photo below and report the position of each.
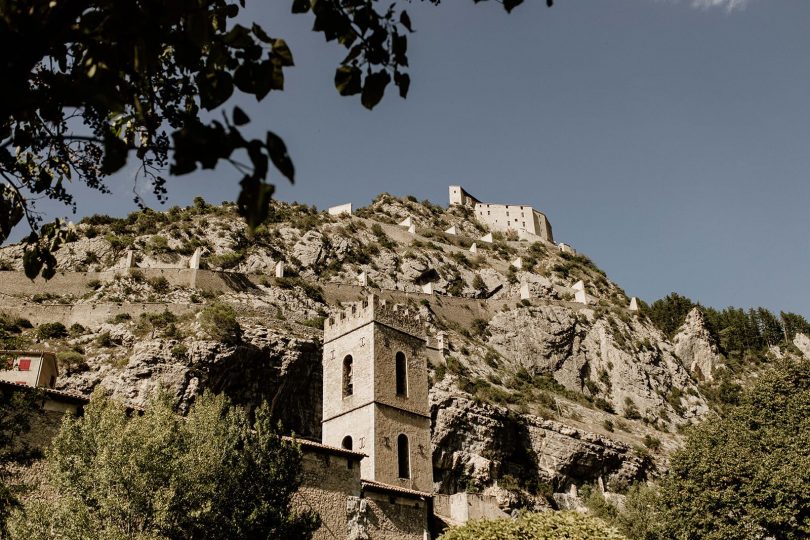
(505, 217)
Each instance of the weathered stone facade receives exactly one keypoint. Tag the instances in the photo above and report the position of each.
(505, 217)
(375, 401)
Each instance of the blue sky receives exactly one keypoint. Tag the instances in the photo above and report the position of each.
(668, 140)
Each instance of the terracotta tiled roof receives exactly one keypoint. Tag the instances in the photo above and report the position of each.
(63, 394)
(379, 486)
(318, 447)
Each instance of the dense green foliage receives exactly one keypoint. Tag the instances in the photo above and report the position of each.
(735, 330)
(740, 477)
(540, 526)
(213, 474)
(219, 322)
(746, 475)
(17, 409)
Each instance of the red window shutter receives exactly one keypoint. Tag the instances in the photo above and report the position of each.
(25, 364)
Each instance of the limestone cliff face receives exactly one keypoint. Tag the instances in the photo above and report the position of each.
(269, 365)
(479, 445)
(695, 347)
(626, 362)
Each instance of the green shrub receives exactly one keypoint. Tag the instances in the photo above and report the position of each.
(536, 526)
(603, 404)
(53, 330)
(160, 284)
(227, 261)
(653, 443)
(631, 412)
(77, 330)
(219, 322)
(71, 362)
(105, 340)
(157, 244)
(179, 351)
(120, 318)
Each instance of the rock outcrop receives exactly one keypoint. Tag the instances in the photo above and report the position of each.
(695, 347)
(476, 445)
(802, 343)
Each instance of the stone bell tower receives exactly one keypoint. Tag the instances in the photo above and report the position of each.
(375, 392)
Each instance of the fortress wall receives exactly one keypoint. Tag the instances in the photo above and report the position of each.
(396, 518)
(14, 283)
(328, 485)
(17, 284)
(90, 314)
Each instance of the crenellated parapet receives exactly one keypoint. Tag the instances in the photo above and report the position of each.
(374, 309)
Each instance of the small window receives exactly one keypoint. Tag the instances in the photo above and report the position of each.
(403, 456)
(347, 442)
(347, 376)
(487, 212)
(25, 364)
(401, 368)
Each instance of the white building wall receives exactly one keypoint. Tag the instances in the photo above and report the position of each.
(503, 217)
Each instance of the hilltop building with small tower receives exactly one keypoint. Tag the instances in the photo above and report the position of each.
(520, 218)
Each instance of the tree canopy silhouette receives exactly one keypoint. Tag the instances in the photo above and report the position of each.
(91, 84)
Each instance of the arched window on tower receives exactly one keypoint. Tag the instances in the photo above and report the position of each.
(348, 386)
(401, 368)
(403, 456)
(347, 442)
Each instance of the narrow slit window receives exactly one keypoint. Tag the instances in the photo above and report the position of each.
(401, 374)
(348, 385)
(403, 456)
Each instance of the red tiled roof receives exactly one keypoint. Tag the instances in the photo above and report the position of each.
(373, 484)
(318, 447)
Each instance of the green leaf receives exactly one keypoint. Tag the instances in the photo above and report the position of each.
(239, 117)
(300, 6)
(259, 32)
(115, 154)
(403, 82)
(509, 5)
(32, 261)
(348, 80)
(405, 20)
(253, 202)
(374, 89)
(282, 52)
(215, 88)
(11, 211)
(279, 156)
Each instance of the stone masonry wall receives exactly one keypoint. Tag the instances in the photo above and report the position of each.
(90, 314)
(326, 487)
(396, 518)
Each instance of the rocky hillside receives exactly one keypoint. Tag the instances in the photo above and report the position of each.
(537, 392)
